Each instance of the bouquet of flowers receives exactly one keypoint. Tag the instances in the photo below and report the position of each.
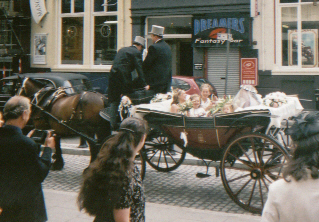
(124, 107)
(159, 97)
(220, 104)
(184, 107)
(275, 99)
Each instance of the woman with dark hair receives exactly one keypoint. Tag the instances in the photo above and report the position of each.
(112, 189)
(296, 197)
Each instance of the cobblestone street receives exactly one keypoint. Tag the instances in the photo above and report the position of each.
(180, 187)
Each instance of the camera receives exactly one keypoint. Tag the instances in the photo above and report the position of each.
(39, 136)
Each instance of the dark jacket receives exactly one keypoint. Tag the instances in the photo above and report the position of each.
(157, 67)
(21, 174)
(126, 61)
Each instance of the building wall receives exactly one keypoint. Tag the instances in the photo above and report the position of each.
(272, 75)
(50, 25)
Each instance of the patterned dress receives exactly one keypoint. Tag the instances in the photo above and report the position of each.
(133, 198)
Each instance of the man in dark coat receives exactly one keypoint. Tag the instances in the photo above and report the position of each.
(157, 65)
(21, 169)
(126, 61)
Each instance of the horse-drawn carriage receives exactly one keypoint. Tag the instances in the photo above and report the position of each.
(241, 145)
(249, 159)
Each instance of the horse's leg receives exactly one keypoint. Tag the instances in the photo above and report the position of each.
(83, 143)
(58, 162)
(102, 133)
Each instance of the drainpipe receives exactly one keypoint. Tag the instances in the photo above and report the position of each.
(263, 33)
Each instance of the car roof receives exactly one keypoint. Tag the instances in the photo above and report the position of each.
(56, 77)
(187, 77)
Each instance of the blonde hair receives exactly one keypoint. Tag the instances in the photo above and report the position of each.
(194, 96)
(206, 85)
(228, 104)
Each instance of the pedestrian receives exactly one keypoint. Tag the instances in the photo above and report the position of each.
(126, 61)
(21, 169)
(296, 197)
(112, 189)
(157, 65)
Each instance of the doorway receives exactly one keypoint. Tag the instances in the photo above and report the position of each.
(182, 56)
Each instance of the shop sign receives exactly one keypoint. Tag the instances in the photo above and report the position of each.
(38, 10)
(198, 66)
(216, 29)
(39, 51)
(249, 71)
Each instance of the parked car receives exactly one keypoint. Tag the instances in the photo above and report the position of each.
(190, 84)
(73, 83)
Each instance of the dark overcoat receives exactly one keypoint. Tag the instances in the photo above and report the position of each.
(157, 67)
(21, 174)
(126, 61)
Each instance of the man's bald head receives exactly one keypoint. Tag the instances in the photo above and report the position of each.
(15, 107)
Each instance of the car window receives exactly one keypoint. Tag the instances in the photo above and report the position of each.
(80, 85)
(180, 84)
(7, 87)
(46, 82)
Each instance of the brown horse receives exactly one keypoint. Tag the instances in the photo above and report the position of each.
(67, 115)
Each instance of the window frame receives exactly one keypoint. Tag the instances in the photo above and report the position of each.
(88, 40)
(290, 70)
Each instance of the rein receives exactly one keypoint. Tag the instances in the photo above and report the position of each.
(61, 122)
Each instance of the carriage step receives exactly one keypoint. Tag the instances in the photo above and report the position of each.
(202, 175)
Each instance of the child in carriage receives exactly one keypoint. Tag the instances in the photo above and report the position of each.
(196, 111)
(206, 92)
(228, 108)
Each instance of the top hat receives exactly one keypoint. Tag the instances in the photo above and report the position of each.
(157, 30)
(139, 40)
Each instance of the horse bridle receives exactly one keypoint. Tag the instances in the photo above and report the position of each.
(19, 93)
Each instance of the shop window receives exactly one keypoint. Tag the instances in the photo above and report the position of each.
(72, 40)
(105, 40)
(75, 37)
(299, 35)
(173, 25)
(105, 5)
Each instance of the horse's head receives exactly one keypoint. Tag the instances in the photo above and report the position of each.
(28, 86)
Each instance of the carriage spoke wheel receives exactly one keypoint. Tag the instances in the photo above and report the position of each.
(163, 155)
(251, 162)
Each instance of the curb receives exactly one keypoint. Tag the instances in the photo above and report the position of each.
(72, 149)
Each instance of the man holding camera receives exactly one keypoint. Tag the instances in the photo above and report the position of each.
(21, 169)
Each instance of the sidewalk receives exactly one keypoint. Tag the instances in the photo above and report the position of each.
(61, 207)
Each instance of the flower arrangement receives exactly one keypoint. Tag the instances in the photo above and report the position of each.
(160, 97)
(220, 104)
(184, 107)
(275, 99)
(124, 106)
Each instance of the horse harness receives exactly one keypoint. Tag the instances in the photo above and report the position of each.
(47, 96)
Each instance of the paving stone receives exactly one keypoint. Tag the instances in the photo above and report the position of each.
(179, 188)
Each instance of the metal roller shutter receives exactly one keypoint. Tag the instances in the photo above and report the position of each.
(216, 70)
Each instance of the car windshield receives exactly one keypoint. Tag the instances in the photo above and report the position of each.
(201, 81)
(79, 85)
(180, 84)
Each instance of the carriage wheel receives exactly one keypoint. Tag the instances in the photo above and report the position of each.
(163, 155)
(251, 162)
